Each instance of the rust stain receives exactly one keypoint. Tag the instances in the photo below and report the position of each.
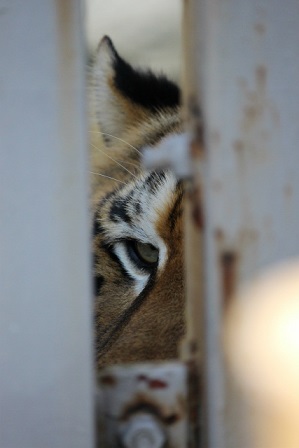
(196, 148)
(197, 216)
(142, 403)
(219, 235)
(256, 103)
(195, 198)
(258, 122)
(108, 380)
(196, 121)
(288, 191)
(193, 346)
(193, 107)
(261, 75)
(195, 396)
(171, 419)
(157, 384)
(260, 28)
(228, 269)
(238, 145)
(228, 264)
(181, 401)
(251, 113)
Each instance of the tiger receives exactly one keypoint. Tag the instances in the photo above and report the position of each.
(137, 240)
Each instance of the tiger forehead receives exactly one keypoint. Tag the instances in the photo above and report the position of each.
(144, 203)
(148, 193)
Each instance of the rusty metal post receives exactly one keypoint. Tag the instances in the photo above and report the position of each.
(46, 387)
(243, 72)
(194, 347)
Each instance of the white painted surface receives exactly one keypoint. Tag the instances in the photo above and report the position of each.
(247, 61)
(264, 323)
(45, 337)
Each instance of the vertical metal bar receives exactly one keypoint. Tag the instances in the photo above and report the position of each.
(198, 311)
(247, 73)
(263, 323)
(45, 317)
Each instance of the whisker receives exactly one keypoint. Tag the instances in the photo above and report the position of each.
(108, 177)
(115, 161)
(113, 136)
(135, 165)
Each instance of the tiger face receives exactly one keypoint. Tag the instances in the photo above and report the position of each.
(137, 215)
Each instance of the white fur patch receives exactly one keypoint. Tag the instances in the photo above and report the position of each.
(142, 226)
(141, 278)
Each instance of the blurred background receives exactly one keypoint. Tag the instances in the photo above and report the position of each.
(146, 33)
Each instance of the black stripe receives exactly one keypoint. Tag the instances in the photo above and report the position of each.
(138, 208)
(177, 210)
(98, 281)
(143, 87)
(118, 211)
(97, 228)
(108, 196)
(154, 179)
(109, 250)
(157, 135)
(103, 346)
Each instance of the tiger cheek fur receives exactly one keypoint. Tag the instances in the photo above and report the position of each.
(137, 216)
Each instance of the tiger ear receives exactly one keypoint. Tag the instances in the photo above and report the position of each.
(124, 97)
(110, 110)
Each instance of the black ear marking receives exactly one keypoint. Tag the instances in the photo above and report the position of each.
(121, 92)
(153, 92)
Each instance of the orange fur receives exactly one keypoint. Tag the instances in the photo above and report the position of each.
(154, 327)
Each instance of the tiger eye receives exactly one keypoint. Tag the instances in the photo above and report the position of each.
(147, 252)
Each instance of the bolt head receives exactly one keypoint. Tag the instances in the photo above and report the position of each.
(142, 431)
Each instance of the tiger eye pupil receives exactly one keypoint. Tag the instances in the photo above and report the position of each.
(147, 252)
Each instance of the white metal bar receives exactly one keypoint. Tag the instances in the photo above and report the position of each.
(263, 323)
(246, 61)
(45, 348)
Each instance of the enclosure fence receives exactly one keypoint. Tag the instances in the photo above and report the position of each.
(241, 98)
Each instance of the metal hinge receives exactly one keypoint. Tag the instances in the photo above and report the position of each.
(144, 405)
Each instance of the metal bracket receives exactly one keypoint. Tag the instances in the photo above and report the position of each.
(144, 405)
